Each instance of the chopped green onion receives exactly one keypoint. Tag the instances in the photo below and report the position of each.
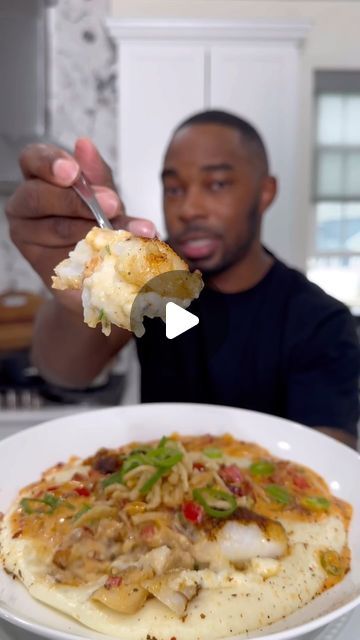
(278, 494)
(132, 461)
(262, 469)
(161, 456)
(148, 485)
(208, 495)
(26, 505)
(138, 450)
(114, 478)
(164, 457)
(107, 248)
(85, 507)
(102, 315)
(315, 503)
(68, 505)
(135, 459)
(49, 502)
(212, 452)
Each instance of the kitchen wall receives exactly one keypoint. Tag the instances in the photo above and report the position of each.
(81, 102)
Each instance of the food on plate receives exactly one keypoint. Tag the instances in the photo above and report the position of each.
(113, 267)
(184, 537)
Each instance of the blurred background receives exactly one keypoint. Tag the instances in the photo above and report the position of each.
(125, 72)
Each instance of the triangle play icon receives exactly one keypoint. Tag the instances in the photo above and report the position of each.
(178, 320)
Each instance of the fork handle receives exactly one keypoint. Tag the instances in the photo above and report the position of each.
(84, 190)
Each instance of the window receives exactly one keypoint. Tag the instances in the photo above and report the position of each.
(335, 252)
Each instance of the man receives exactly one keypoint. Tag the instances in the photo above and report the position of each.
(267, 340)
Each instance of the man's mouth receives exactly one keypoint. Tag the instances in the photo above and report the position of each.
(196, 248)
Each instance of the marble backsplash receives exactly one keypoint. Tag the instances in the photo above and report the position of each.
(81, 102)
(15, 272)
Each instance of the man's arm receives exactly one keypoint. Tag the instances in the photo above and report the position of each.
(66, 351)
(46, 219)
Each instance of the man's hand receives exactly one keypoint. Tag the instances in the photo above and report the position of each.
(47, 218)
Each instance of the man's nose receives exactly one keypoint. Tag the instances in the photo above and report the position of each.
(192, 206)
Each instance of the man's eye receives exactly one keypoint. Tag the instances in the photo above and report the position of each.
(173, 192)
(218, 185)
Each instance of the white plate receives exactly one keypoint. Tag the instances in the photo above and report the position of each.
(344, 628)
(24, 456)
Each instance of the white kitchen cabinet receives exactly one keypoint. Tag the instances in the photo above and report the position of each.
(168, 70)
(159, 84)
(259, 82)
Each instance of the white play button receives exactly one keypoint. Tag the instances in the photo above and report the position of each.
(178, 320)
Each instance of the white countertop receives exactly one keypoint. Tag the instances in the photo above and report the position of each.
(345, 628)
(14, 420)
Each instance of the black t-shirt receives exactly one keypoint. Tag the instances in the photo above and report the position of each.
(283, 347)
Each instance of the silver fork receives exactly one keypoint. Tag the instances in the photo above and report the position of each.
(84, 190)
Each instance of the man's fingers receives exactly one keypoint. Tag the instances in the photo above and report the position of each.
(49, 163)
(53, 232)
(56, 166)
(37, 199)
(92, 164)
(109, 201)
(141, 227)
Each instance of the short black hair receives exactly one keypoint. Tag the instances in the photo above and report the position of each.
(247, 131)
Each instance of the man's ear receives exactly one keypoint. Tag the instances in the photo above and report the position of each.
(268, 193)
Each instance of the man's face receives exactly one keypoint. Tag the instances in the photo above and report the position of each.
(211, 195)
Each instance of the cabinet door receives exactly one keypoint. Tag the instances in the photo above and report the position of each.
(259, 82)
(160, 84)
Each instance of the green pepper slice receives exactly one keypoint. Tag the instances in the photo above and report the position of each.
(208, 494)
(114, 478)
(278, 494)
(148, 485)
(161, 457)
(331, 563)
(212, 452)
(164, 457)
(262, 469)
(315, 503)
(131, 462)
